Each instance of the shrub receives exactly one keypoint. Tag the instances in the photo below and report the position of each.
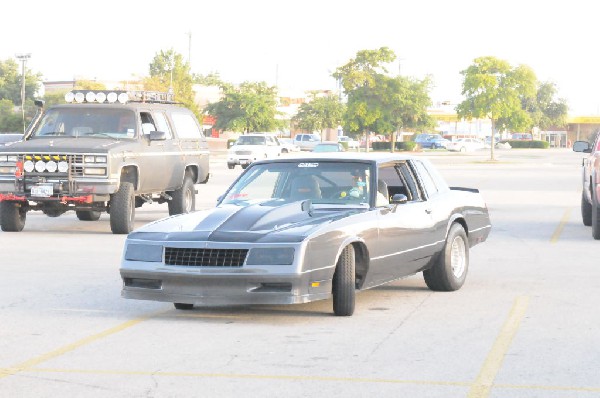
(400, 146)
(528, 144)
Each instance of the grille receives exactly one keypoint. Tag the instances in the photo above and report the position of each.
(205, 257)
(243, 152)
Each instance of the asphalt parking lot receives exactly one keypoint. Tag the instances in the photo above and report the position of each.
(525, 324)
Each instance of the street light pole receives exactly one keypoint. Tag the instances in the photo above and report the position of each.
(23, 58)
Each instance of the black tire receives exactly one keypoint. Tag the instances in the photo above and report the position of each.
(450, 269)
(586, 211)
(88, 215)
(122, 209)
(183, 306)
(12, 216)
(595, 216)
(344, 283)
(183, 200)
(244, 166)
(230, 166)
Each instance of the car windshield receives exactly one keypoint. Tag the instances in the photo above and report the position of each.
(250, 140)
(326, 148)
(88, 122)
(323, 182)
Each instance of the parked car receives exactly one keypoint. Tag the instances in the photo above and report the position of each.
(306, 142)
(352, 144)
(288, 145)
(434, 142)
(299, 229)
(329, 146)
(590, 192)
(465, 145)
(251, 147)
(522, 136)
(7, 139)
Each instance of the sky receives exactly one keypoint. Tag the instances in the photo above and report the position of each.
(296, 45)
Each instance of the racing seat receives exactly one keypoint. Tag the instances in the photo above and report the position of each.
(305, 187)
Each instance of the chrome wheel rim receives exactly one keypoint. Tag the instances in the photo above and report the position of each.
(458, 258)
(188, 201)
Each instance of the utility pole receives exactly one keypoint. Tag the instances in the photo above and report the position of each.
(23, 58)
(189, 34)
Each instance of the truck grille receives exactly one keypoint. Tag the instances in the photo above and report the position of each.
(205, 257)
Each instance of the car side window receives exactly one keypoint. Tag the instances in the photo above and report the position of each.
(148, 124)
(162, 124)
(425, 178)
(186, 125)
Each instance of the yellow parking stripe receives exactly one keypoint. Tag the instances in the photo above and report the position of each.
(302, 378)
(27, 365)
(483, 384)
(561, 226)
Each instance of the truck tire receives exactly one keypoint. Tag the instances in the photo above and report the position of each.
(88, 215)
(450, 269)
(586, 211)
(595, 216)
(122, 209)
(183, 306)
(12, 217)
(344, 283)
(183, 200)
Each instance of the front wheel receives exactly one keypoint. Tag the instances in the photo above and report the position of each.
(122, 209)
(183, 200)
(12, 216)
(450, 269)
(595, 216)
(344, 283)
(586, 211)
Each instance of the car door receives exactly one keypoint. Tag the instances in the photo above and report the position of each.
(155, 164)
(404, 230)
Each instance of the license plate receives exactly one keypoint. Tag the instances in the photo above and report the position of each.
(42, 191)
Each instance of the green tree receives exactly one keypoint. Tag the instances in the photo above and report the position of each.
(494, 89)
(378, 102)
(11, 82)
(211, 79)
(168, 70)
(10, 121)
(250, 107)
(320, 113)
(548, 110)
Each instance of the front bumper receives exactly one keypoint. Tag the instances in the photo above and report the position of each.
(62, 190)
(213, 287)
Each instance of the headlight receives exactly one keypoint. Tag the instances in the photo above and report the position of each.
(12, 158)
(271, 256)
(97, 171)
(3, 158)
(140, 252)
(28, 166)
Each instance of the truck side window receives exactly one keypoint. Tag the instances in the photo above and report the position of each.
(162, 124)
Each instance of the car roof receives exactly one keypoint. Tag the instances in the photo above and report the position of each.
(375, 157)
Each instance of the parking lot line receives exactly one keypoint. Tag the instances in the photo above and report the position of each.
(483, 384)
(560, 227)
(27, 365)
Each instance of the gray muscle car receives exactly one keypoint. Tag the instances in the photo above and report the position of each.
(294, 230)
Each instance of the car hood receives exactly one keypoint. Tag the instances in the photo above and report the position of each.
(71, 144)
(262, 222)
(245, 148)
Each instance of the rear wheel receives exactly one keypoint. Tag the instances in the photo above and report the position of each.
(450, 270)
(230, 166)
(586, 211)
(122, 209)
(12, 216)
(344, 283)
(183, 200)
(88, 215)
